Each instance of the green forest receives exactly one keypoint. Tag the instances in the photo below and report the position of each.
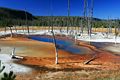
(11, 17)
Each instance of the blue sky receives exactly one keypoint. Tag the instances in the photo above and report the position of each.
(102, 8)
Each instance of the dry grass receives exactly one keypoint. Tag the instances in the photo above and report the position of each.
(77, 75)
(56, 28)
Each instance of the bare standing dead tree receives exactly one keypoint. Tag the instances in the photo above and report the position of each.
(90, 18)
(84, 16)
(11, 30)
(27, 21)
(116, 31)
(56, 51)
(68, 21)
(52, 16)
(109, 25)
(5, 29)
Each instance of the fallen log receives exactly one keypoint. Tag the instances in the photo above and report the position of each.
(88, 61)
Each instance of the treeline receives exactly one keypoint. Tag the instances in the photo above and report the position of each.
(10, 17)
(47, 21)
(58, 21)
(74, 21)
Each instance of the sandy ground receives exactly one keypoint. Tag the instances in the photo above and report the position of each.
(40, 56)
(35, 53)
(32, 48)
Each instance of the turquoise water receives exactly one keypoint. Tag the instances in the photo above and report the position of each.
(61, 44)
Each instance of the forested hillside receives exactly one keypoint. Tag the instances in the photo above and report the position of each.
(6, 13)
(19, 17)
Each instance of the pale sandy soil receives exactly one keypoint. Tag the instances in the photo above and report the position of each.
(57, 28)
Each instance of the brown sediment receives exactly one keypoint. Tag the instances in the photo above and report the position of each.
(32, 47)
(41, 57)
(104, 60)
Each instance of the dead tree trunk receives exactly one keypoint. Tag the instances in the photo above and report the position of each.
(56, 50)
(84, 21)
(27, 22)
(90, 18)
(116, 34)
(49, 24)
(11, 30)
(15, 29)
(68, 21)
(93, 58)
(5, 31)
(52, 19)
